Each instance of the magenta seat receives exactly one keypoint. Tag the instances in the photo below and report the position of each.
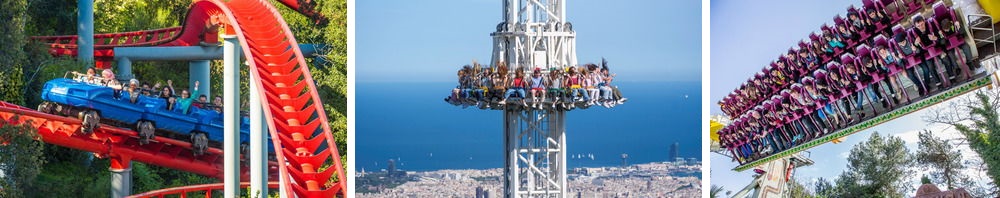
(912, 6)
(868, 4)
(881, 41)
(897, 29)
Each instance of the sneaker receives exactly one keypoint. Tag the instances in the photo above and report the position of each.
(502, 102)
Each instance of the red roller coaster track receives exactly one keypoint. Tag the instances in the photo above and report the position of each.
(113, 142)
(293, 110)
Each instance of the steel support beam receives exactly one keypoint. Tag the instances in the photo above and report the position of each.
(85, 31)
(201, 70)
(535, 153)
(124, 69)
(231, 115)
(511, 182)
(258, 144)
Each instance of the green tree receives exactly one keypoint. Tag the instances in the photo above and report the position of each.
(715, 191)
(877, 167)
(796, 189)
(976, 118)
(12, 58)
(823, 188)
(21, 159)
(925, 180)
(944, 161)
(51, 17)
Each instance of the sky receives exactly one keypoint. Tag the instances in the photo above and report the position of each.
(427, 41)
(747, 35)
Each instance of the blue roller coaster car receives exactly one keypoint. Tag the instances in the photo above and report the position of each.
(146, 115)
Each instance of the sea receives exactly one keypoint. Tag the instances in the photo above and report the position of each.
(411, 124)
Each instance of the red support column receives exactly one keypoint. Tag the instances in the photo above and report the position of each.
(121, 176)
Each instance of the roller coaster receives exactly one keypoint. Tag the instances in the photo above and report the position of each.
(305, 155)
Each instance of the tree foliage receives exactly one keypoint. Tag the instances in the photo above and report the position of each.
(925, 180)
(12, 58)
(796, 189)
(823, 188)
(977, 119)
(51, 17)
(716, 191)
(21, 158)
(944, 161)
(877, 167)
(128, 15)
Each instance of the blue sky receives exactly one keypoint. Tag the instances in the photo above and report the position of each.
(747, 35)
(427, 41)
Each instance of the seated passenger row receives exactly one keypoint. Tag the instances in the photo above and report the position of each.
(553, 88)
(132, 90)
(834, 42)
(833, 95)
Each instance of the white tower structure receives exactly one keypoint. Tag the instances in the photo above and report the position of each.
(534, 33)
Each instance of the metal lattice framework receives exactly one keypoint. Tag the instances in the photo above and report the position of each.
(535, 142)
(534, 33)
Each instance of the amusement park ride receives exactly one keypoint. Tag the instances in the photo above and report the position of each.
(775, 167)
(534, 34)
(283, 100)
